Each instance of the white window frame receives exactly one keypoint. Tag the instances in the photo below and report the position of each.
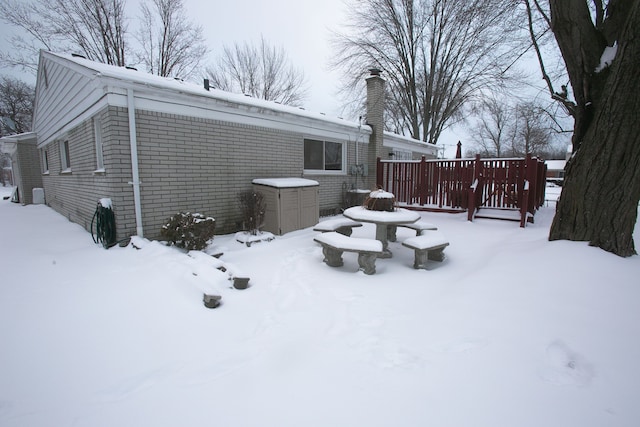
(65, 153)
(97, 126)
(343, 166)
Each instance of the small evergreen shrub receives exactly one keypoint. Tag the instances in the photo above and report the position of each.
(253, 208)
(191, 231)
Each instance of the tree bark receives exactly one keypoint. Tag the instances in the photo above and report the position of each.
(599, 201)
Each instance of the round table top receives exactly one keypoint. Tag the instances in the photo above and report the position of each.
(398, 216)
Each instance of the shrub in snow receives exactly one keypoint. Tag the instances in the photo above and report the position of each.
(253, 208)
(191, 231)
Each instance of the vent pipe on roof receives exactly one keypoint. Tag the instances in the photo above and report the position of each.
(206, 84)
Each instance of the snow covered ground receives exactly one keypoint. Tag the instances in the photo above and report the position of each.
(510, 330)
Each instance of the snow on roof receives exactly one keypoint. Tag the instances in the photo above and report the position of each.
(393, 140)
(555, 164)
(285, 182)
(131, 75)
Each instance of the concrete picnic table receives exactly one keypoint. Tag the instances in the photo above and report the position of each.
(382, 219)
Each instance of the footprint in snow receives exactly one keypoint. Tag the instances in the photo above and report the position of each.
(128, 386)
(464, 345)
(565, 367)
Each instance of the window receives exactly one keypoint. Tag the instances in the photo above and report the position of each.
(401, 155)
(64, 157)
(45, 161)
(323, 155)
(97, 127)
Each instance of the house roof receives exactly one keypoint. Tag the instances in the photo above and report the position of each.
(555, 164)
(109, 85)
(112, 82)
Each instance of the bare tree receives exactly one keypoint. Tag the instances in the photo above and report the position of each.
(503, 129)
(16, 106)
(600, 44)
(172, 46)
(493, 132)
(437, 55)
(94, 28)
(533, 133)
(262, 71)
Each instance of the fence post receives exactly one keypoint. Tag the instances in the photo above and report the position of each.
(379, 173)
(524, 209)
(422, 185)
(532, 177)
(475, 189)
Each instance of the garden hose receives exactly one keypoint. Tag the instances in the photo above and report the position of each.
(105, 225)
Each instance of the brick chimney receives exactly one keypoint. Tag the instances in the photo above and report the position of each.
(375, 119)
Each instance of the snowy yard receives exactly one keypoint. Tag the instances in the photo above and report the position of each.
(510, 330)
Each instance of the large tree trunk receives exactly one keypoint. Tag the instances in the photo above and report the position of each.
(599, 201)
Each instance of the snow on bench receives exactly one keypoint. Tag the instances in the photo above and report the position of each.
(334, 244)
(341, 225)
(428, 246)
(418, 226)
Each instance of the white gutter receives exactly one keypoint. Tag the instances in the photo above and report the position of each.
(134, 162)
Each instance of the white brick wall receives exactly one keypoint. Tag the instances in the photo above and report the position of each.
(185, 163)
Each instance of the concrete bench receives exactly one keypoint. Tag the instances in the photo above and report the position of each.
(341, 225)
(334, 244)
(418, 226)
(429, 246)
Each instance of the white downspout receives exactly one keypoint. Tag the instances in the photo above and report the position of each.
(134, 162)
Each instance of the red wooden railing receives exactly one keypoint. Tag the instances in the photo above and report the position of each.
(466, 184)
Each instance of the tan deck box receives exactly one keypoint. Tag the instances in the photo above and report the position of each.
(292, 203)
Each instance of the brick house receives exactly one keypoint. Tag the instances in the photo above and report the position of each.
(157, 146)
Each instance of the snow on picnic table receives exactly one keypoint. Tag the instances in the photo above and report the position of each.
(397, 216)
(510, 330)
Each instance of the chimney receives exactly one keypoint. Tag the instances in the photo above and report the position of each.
(375, 119)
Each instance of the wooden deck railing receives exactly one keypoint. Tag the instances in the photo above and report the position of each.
(466, 184)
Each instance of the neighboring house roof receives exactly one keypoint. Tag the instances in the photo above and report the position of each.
(555, 165)
(85, 87)
(9, 144)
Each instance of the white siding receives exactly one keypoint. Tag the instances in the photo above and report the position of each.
(62, 99)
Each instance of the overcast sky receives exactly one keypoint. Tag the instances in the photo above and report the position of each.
(302, 28)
